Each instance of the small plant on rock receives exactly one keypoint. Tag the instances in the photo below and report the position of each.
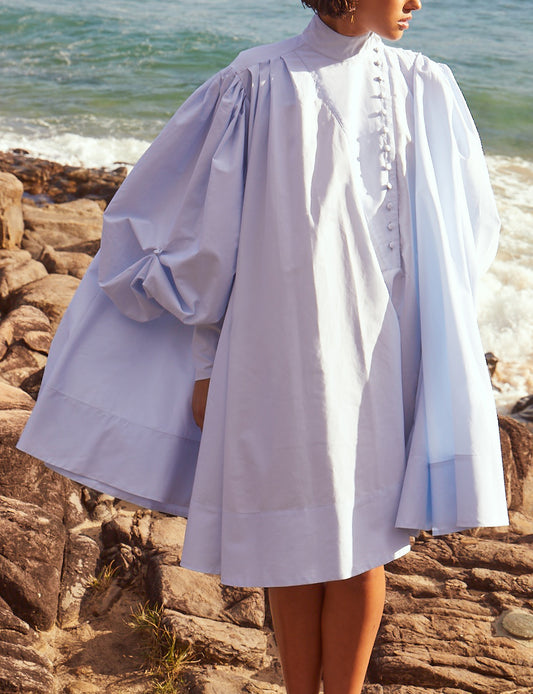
(103, 578)
(165, 658)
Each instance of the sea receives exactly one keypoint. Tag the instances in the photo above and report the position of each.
(92, 83)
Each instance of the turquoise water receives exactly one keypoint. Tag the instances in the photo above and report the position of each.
(102, 76)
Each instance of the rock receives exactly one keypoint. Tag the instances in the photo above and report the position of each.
(38, 341)
(17, 268)
(51, 294)
(53, 181)
(101, 506)
(87, 247)
(202, 595)
(32, 243)
(31, 557)
(117, 531)
(24, 671)
(522, 411)
(10, 622)
(21, 322)
(64, 224)
(12, 398)
(81, 561)
(224, 680)
(142, 524)
(517, 451)
(32, 383)
(25, 338)
(218, 642)
(20, 362)
(82, 688)
(444, 601)
(11, 424)
(519, 624)
(167, 534)
(65, 262)
(25, 478)
(11, 223)
(75, 512)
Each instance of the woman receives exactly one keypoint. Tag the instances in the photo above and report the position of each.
(315, 217)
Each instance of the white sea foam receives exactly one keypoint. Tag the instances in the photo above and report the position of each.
(505, 306)
(76, 150)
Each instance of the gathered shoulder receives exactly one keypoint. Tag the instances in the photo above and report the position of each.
(260, 54)
(414, 64)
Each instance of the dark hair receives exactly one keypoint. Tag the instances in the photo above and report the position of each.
(332, 8)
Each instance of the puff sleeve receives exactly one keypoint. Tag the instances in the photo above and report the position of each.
(170, 234)
(454, 152)
(454, 473)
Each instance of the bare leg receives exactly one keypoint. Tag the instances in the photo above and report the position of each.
(351, 615)
(296, 613)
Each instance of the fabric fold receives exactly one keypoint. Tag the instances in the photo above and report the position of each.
(454, 452)
(265, 241)
(171, 233)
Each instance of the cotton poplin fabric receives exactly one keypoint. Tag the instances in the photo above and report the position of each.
(307, 231)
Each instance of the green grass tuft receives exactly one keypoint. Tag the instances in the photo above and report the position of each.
(165, 658)
(103, 578)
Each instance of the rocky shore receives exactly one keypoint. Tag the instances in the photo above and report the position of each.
(76, 566)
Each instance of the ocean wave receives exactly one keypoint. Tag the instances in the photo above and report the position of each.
(76, 150)
(506, 292)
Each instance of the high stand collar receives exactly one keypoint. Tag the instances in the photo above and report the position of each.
(329, 42)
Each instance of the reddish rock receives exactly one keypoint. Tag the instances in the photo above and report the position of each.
(59, 183)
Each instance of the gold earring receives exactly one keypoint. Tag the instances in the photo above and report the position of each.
(353, 13)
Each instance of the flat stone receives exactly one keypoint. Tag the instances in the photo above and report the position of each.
(203, 595)
(64, 224)
(218, 642)
(167, 534)
(519, 624)
(225, 680)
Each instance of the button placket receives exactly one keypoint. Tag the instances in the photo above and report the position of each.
(386, 155)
